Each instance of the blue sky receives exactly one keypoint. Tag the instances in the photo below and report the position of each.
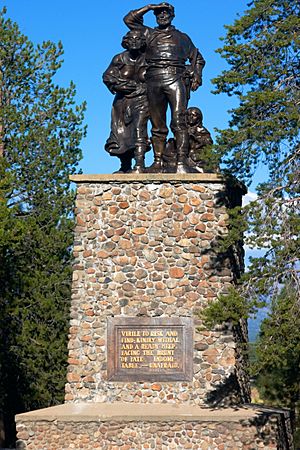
(91, 33)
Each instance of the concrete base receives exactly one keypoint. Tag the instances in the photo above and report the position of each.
(162, 427)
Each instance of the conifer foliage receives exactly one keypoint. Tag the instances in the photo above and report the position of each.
(278, 351)
(262, 141)
(262, 50)
(40, 133)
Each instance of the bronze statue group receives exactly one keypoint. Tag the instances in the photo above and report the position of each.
(146, 78)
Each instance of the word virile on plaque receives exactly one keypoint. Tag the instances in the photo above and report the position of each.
(149, 348)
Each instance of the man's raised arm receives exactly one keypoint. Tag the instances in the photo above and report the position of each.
(134, 19)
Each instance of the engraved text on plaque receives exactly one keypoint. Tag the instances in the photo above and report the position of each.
(149, 349)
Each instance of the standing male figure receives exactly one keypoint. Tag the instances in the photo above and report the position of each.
(167, 50)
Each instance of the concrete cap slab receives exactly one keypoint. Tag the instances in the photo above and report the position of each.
(129, 412)
(148, 177)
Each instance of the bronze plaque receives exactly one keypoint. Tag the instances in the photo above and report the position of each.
(150, 349)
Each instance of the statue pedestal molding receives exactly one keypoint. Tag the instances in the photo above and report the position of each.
(143, 371)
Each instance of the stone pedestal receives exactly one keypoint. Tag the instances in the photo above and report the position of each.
(146, 247)
(115, 426)
(142, 369)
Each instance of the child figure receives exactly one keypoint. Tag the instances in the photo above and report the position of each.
(199, 137)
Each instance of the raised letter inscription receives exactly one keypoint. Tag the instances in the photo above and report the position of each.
(149, 349)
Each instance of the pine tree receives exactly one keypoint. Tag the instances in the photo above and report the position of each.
(277, 365)
(278, 351)
(41, 130)
(262, 52)
(262, 49)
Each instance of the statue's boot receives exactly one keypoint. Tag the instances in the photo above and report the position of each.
(158, 149)
(139, 156)
(125, 160)
(182, 153)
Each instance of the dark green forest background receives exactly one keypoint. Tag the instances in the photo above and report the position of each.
(40, 134)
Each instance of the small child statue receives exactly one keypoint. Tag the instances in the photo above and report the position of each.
(199, 137)
(199, 157)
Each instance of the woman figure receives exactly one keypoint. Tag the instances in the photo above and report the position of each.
(125, 77)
